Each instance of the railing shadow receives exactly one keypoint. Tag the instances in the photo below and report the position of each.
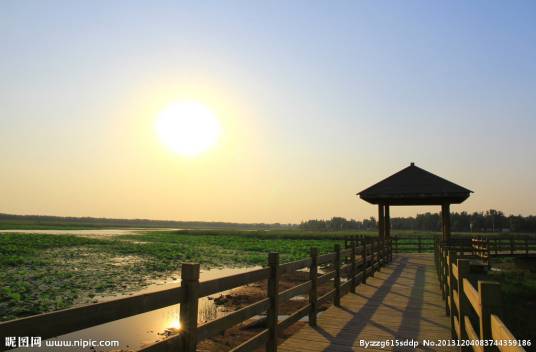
(361, 318)
(411, 313)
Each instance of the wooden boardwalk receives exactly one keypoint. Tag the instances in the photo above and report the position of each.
(402, 301)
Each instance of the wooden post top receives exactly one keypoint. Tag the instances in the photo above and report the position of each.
(273, 258)
(190, 271)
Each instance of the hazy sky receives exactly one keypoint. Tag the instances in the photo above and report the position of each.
(317, 101)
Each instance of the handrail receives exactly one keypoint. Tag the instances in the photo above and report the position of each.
(217, 325)
(413, 243)
(472, 296)
(472, 335)
(459, 294)
(501, 332)
(64, 321)
(210, 287)
(455, 271)
(369, 255)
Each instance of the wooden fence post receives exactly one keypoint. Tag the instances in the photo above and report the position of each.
(450, 261)
(439, 261)
(445, 273)
(444, 255)
(364, 256)
(396, 243)
(188, 308)
(463, 303)
(443, 263)
(385, 248)
(381, 254)
(390, 249)
(490, 303)
(511, 244)
(313, 294)
(372, 256)
(353, 267)
(273, 295)
(378, 254)
(526, 245)
(337, 280)
(488, 251)
(420, 246)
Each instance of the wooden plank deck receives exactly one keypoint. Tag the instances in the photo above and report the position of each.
(402, 301)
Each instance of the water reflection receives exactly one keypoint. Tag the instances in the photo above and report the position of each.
(143, 329)
(93, 232)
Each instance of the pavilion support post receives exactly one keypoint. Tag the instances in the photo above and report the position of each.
(381, 226)
(445, 214)
(387, 222)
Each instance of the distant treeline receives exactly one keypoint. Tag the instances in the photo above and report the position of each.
(37, 221)
(489, 221)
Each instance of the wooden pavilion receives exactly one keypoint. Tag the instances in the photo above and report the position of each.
(414, 186)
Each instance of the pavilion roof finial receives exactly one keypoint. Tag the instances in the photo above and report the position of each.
(412, 164)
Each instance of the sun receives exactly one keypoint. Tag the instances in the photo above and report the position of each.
(188, 128)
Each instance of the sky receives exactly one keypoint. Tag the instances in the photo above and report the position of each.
(317, 100)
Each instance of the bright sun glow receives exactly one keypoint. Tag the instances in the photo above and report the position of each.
(188, 128)
(175, 324)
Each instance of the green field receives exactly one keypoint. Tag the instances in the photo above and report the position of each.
(518, 287)
(42, 272)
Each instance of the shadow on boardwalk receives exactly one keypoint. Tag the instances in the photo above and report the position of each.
(402, 302)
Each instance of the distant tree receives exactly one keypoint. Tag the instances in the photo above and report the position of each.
(491, 220)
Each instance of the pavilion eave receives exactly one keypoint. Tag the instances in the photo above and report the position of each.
(416, 199)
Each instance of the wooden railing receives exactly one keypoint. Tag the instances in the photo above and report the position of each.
(474, 312)
(480, 246)
(347, 267)
(505, 245)
(413, 243)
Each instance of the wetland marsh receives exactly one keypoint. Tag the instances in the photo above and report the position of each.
(46, 272)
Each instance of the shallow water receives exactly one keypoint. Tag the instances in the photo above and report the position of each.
(91, 233)
(142, 329)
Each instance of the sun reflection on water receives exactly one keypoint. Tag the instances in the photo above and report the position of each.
(175, 324)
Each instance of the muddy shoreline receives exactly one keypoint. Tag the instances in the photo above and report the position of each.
(243, 296)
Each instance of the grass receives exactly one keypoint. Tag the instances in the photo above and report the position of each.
(518, 286)
(42, 272)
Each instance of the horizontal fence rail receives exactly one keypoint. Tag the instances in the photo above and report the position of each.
(486, 247)
(413, 243)
(348, 267)
(496, 245)
(473, 304)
